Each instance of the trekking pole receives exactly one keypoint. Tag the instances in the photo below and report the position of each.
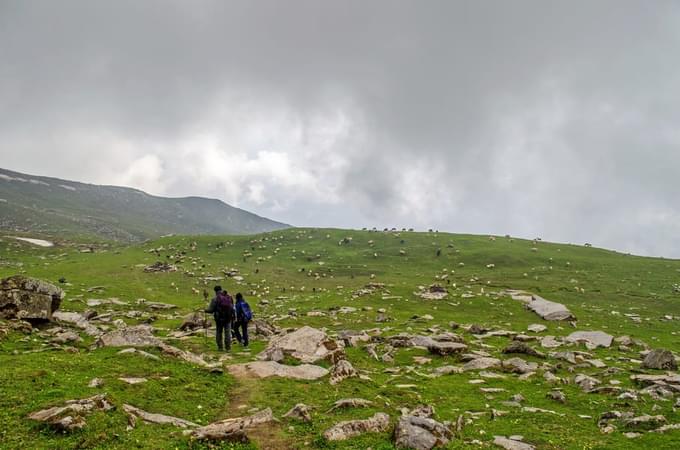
(205, 318)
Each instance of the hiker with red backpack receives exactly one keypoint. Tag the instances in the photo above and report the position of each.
(222, 308)
(243, 315)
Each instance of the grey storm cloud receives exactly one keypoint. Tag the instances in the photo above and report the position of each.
(535, 118)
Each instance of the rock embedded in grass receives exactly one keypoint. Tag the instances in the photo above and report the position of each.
(342, 431)
(660, 359)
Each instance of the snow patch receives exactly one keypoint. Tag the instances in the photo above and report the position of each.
(70, 188)
(38, 242)
(2, 200)
(32, 181)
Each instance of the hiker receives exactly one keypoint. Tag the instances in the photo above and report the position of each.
(243, 316)
(222, 308)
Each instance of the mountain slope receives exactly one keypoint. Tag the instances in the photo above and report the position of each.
(50, 205)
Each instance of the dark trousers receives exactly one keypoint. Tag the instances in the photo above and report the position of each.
(241, 332)
(223, 329)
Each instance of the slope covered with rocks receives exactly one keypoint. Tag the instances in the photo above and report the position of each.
(360, 339)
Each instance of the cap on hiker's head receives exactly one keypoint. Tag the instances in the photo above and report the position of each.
(218, 288)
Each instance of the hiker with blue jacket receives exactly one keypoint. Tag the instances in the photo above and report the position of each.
(243, 316)
(222, 308)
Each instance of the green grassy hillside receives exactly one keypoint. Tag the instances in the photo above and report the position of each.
(287, 274)
(57, 207)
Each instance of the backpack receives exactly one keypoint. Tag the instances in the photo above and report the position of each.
(246, 313)
(224, 309)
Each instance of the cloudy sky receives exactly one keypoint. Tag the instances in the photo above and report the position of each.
(558, 119)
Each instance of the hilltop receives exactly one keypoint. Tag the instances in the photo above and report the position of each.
(422, 318)
(34, 204)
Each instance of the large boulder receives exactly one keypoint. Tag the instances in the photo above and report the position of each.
(70, 416)
(28, 298)
(546, 309)
(232, 430)
(136, 336)
(592, 339)
(266, 369)
(660, 359)
(419, 431)
(305, 344)
(379, 423)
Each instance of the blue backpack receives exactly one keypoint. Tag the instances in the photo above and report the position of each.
(246, 313)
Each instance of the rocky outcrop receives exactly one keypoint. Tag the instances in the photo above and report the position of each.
(341, 370)
(482, 363)
(194, 321)
(300, 412)
(136, 336)
(350, 403)
(265, 369)
(379, 423)
(29, 299)
(432, 292)
(134, 413)
(232, 429)
(592, 339)
(71, 416)
(419, 431)
(546, 309)
(305, 344)
(660, 359)
(511, 444)
(446, 348)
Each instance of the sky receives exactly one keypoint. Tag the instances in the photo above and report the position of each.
(551, 119)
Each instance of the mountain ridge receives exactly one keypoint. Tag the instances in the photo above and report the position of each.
(32, 203)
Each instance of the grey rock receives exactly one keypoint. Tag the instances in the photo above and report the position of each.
(29, 299)
(660, 359)
(379, 423)
(300, 412)
(592, 339)
(419, 431)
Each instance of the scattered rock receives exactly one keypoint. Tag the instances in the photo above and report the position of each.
(350, 403)
(645, 422)
(585, 382)
(183, 354)
(194, 321)
(379, 423)
(518, 365)
(522, 347)
(592, 339)
(546, 309)
(133, 380)
(71, 416)
(95, 383)
(306, 344)
(660, 359)
(232, 429)
(433, 292)
(77, 320)
(419, 431)
(136, 336)
(536, 328)
(265, 369)
(160, 266)
(65, 337)
(446, 348)
(511, 444)
(341, 370)
(550, 342)
(482, 364)
(556, 395)
(29, 299)
(160, 419)
(300, 412)
(139, 352)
